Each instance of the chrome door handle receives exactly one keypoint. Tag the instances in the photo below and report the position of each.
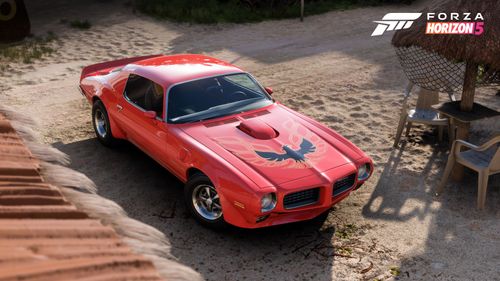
(120, 108)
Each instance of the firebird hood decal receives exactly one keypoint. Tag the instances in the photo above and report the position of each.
(297, 150)
(303, 150)
(297, 155)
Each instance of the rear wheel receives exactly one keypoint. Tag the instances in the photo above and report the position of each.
(100, 121)
(203, 201)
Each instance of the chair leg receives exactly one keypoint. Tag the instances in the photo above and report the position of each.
(451, 131)
(482, 186)
(446, 174)
(399, 132)
(408, 128)
(440, 133)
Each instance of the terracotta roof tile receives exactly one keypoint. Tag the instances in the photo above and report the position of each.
(43, 236)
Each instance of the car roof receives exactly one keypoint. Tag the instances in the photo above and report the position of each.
(174, 69)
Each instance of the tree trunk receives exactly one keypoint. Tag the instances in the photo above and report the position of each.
(301, 10)
(469, 87)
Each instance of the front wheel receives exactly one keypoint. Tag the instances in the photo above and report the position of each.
(203, 201)
(100, 121)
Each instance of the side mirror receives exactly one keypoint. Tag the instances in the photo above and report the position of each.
(150, 114)
(269, 90)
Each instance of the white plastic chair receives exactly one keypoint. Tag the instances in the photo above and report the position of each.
(423, 113)
(484, 159)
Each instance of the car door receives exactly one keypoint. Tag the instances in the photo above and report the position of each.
(141, 97)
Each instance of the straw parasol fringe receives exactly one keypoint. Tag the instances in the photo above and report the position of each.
(24, 125)
(48, 153)
(475, 50)
(482, 49)
(81, 191)
(66, 177)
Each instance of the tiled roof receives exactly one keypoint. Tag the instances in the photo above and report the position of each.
(43, 236)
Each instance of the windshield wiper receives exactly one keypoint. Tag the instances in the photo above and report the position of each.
(192, 117)
(215, 116)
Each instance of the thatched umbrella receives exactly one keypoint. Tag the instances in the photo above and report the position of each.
(450, 62)
(474, 50)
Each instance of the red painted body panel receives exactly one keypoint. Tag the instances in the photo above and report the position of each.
(238, 148)
(227, 149)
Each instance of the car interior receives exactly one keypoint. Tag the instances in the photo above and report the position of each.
(200, 95)
(145, 93)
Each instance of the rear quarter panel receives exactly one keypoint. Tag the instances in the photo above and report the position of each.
(107, 88)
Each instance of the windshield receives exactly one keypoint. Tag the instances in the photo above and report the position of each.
(214, 97)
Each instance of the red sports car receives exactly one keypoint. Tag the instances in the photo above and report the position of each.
(246, 159)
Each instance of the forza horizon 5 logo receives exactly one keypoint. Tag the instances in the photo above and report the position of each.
(395, 21)
(437, 23)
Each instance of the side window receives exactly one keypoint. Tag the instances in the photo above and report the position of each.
(144, 93)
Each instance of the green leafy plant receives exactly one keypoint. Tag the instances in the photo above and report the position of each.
(80, 24)
(346, 231)
(345, 251)
(395, 271)
(30, 49)
(238, 11)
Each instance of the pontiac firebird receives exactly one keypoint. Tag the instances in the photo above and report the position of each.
(245, 159)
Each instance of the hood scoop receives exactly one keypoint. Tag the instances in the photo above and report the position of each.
(258, 129)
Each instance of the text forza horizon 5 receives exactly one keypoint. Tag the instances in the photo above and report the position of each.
(459, 24)
(437, 23)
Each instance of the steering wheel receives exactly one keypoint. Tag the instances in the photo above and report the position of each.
(238, 94)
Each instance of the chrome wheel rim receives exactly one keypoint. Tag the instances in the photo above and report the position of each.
(100, 123)
(206, 202)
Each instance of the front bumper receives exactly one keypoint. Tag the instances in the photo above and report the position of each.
(281, 215)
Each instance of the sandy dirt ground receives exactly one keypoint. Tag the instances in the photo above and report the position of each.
(327, 67)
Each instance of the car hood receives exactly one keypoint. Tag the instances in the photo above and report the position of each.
(274, 142)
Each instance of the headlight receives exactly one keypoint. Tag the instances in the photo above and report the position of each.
(363, 172)
(268, 202)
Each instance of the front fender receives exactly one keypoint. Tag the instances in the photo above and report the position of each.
(239, 195)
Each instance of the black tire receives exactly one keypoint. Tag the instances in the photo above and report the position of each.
(194, 183)
(103, 134)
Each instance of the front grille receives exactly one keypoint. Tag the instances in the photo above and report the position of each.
(343, 184)
(301, 198)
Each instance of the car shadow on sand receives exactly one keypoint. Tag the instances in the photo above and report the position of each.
(149, 193)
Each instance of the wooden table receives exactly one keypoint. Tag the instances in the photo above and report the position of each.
(461, 120)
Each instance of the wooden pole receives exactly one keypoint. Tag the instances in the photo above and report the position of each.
(301, 10)
(467, 101)
(466, 104)
(457, 173)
